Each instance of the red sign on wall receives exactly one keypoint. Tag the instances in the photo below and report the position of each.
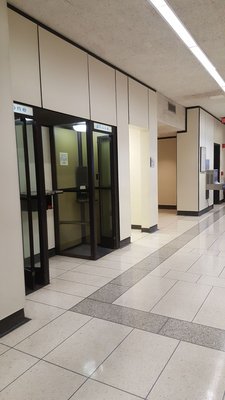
(223, 146)
(223, 120)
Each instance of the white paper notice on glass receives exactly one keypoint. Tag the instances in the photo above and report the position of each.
(63, 159)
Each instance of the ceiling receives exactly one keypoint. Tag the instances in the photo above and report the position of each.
(132, 36)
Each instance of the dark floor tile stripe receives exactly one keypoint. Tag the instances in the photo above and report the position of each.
(121, 315)
(177, 329)
(108, 293)
(194, 333)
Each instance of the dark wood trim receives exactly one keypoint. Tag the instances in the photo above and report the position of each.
(194, 107)
(195, 213)
(167, 137)
(167, 206)
(151, 229)
(185, 129)
(47, 28)
(12, 322)
(221, 201)
(125, 242)
(135, 226)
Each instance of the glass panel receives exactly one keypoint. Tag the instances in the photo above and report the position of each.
(73, 204)
(103, 190)
(21, 157)
(32, 167)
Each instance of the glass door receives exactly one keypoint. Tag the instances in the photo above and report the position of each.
(72, 178)
(33, 203)
(106, 191)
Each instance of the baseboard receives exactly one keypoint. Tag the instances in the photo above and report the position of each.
(195, 213)
(136, 227)
(12, 322)
(124, 242)
(167, 207)
(151, 229)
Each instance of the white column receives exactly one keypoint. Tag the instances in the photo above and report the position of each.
(154, 160)
(12, 293)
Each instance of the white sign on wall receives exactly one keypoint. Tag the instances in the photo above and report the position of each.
(21, 109)
(63, 159)
(102, 127)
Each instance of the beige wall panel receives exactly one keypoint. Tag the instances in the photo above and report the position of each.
(153, 171)
(24, 59)
(102, 92)
(166, 117)
(167, 171)
(64, 75)
(188, 164)
(12, 292)
(138, 104)
(123, 155)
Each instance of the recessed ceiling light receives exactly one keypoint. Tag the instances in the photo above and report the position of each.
(168, 14)
(81, 127)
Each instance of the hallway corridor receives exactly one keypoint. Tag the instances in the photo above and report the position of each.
(144, 322)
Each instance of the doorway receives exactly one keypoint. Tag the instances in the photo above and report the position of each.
(68, 184)
(216, 193)
(85, 170)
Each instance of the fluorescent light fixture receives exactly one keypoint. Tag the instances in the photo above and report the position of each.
(168, 14)
(80, 127)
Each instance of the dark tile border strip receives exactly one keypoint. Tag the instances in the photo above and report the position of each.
(130, 277)
(181, 330)
(121, 315)
(99, 304)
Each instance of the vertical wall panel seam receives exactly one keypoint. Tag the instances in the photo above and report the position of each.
(39, 63)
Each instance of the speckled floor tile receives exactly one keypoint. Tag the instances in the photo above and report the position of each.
(108, 293)
(129, 278)
(121, 315)
(194, 333)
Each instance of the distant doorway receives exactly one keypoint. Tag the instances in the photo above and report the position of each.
(216, 193)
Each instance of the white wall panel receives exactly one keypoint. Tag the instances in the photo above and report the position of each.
(64, 75)
(102, 80)
(188, 164)
(24, 59)
(12, 292)
(166, 117)
(138, 104)
(123, 155)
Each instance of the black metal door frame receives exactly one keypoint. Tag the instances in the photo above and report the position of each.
(35, 277)
(216, 193)
(114, 180)
(44, 117)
